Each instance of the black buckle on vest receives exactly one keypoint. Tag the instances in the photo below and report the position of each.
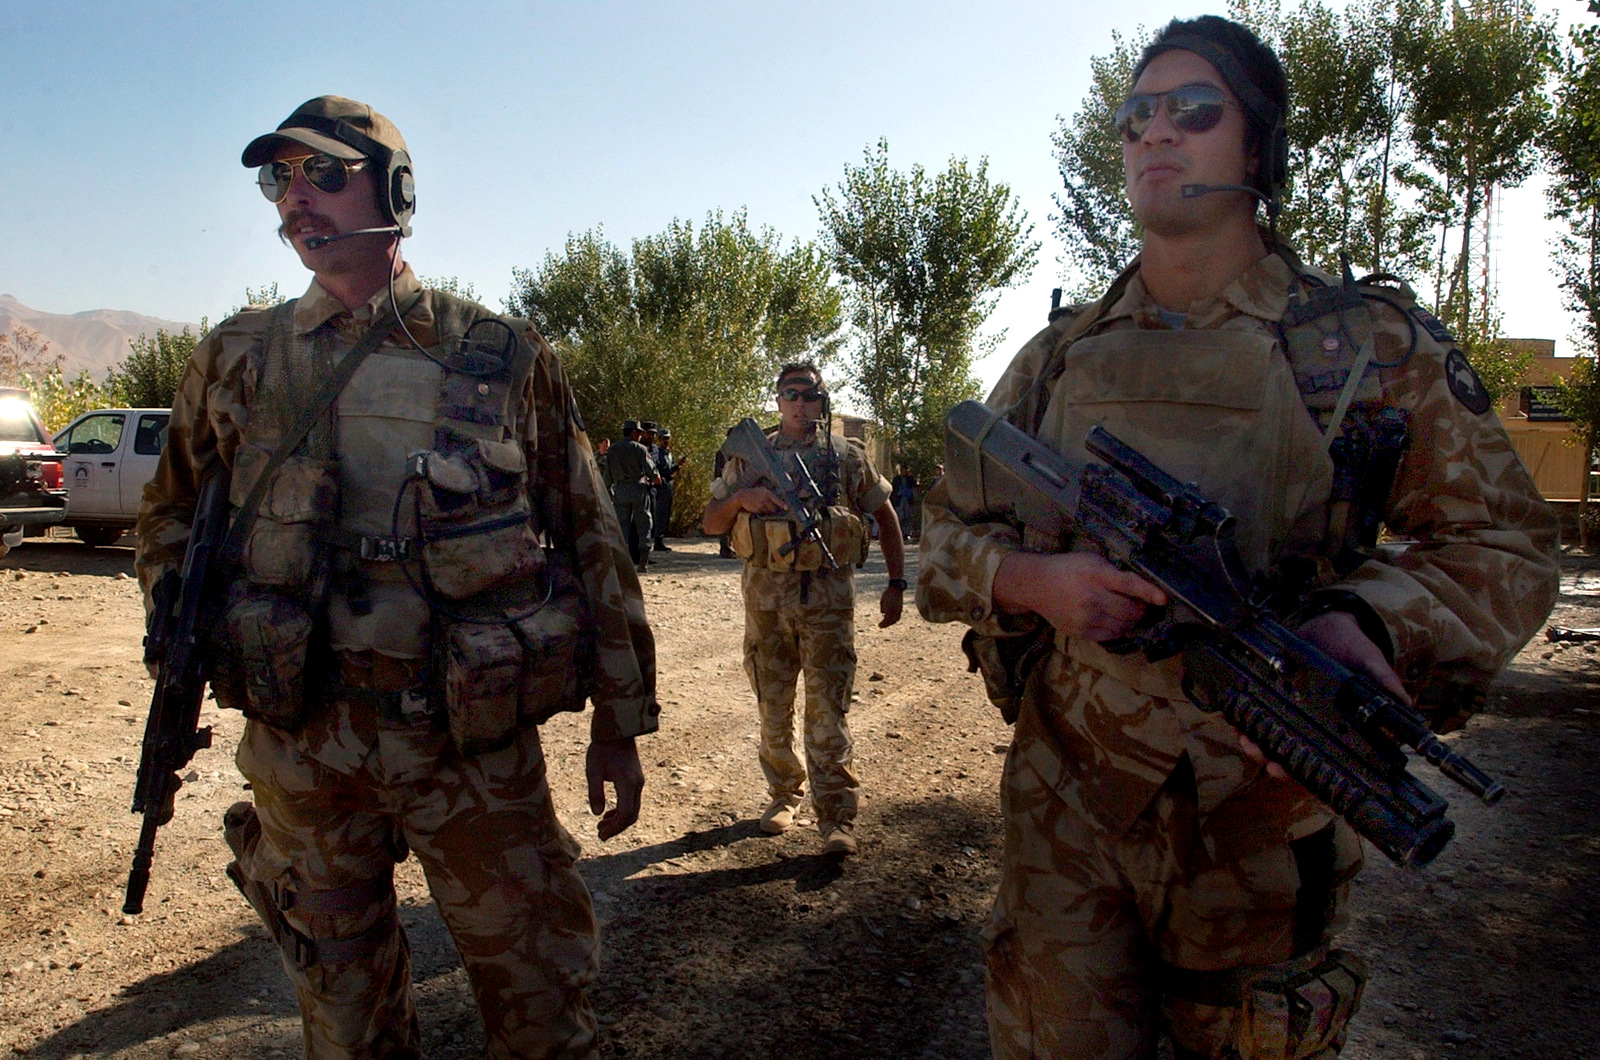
(385, 549)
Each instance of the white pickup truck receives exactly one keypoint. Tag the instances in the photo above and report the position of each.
(111, 454)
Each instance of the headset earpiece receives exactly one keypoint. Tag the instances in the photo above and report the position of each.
(402, 191)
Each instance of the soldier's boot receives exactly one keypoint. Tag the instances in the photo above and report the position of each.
(778, 817)
(839, 841)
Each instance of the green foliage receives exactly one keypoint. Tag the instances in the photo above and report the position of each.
(450, 285)
(1095, 226)
(688, 329)
(1476, 113)
(24, 353)
(59, 400)
(923, 259)
(265, 295)
(149, 376)
(1578, 396)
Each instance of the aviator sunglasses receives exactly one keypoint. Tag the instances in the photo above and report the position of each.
(323, 172)
(1192, 108)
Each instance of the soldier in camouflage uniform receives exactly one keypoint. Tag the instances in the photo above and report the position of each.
(1157, 875)
(430, 572)
(800, 614)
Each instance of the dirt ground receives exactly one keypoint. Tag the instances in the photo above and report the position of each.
(721, 942)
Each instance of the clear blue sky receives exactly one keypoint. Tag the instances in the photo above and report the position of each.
(121, 186)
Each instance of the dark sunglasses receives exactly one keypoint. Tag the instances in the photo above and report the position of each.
(1192, 108)
(323, 172)
(793, 393)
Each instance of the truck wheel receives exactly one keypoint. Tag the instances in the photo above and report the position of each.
(95, 536)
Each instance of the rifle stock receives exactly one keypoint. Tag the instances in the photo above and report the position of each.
(1332, 729)
(801, 498)
(172, 732)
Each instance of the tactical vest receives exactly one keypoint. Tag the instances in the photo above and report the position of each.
(773, 541)
(401, 525)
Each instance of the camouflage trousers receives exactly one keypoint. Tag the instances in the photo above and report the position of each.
(778, 645)
(498, 863)
(1099, 942)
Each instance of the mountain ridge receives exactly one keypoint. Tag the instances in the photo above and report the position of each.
(93, 340)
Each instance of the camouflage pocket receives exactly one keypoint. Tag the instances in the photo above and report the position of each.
(558, 673)
(483, 665)
(742, 538)
(848, 539)
(1302, 1015)
(280, 548)
(261, 661)
(476, 523)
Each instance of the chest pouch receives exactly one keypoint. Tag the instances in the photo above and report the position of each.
(523, 665)
(281, 546)
(264, 653)
(473, 515)
(847, 536)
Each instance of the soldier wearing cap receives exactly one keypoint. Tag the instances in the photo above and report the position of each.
(667, 465)
(425, 567)
(633, 475)
(799, 609)
(1157, 875)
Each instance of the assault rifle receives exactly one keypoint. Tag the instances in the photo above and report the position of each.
(178, 627)
(797, 490)
(1331, 728)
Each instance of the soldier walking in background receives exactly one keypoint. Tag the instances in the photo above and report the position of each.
(800, 612)
(633, 475)
(1156, 875)
(667, 465)
(394, 630)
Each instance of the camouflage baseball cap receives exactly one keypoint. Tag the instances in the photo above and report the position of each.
(341, 127)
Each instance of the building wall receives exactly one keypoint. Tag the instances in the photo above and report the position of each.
(1556, 466)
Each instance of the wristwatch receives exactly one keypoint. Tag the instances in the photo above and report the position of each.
(897, 583)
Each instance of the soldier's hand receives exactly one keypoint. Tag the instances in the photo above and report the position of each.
(1080, 593)
(1339, 635)
(891, 603)
(616, 761)
(758, 499)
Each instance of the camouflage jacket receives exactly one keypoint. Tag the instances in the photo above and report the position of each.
(1473, 587)
(566, 491)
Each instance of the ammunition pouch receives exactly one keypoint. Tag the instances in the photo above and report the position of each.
(474, 516)
(760, 540)
(1005, 663)
(514, 661)
(261, 654)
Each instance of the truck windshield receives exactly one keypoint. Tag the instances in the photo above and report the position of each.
(15, 423)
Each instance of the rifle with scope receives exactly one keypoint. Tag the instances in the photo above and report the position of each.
(1333, 729)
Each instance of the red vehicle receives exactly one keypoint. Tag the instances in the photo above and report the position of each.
(31, 492)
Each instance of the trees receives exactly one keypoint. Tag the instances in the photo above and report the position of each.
(922, 259)
(689, 328)
(1573, 198)
(149, 376)
(1476, 113)
(1095, 226)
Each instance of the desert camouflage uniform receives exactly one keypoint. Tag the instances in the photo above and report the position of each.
(806, 621)
(1140, 843)
(343, 797)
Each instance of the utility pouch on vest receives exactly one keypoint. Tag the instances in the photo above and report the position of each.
(281, 546)
(262, 654)
(482, 671)
(474, 517)
(847, 535)
(561, 648)
(534, 660)
(742, 538)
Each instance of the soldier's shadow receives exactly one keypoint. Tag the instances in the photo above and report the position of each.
(810, 872)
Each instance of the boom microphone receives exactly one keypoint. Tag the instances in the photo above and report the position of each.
(318, 242)
(1194, 191)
